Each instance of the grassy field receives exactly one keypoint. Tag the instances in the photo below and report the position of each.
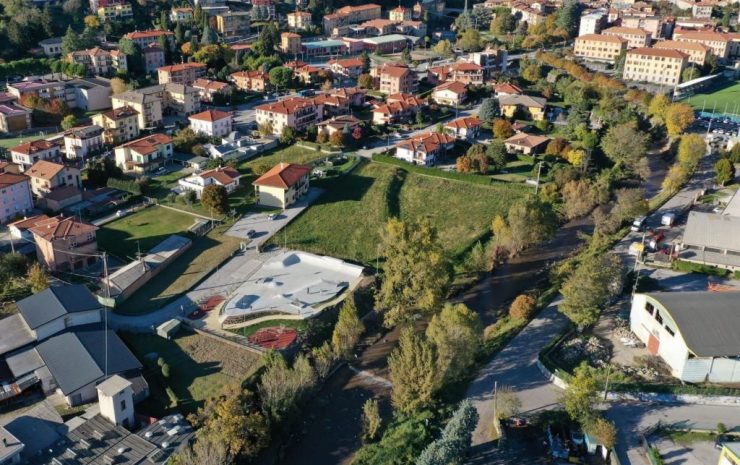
(347, 220)
(728, 96)
(8, 143)
(298, 325)
(142, 231)
(292, 154)
(200, 367)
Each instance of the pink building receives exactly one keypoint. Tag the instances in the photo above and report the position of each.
(15, 196)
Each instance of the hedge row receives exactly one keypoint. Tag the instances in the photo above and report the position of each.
(127, 185)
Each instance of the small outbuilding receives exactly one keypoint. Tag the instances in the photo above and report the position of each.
(168, 329)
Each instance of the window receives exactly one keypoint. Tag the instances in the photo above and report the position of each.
(670, 331)
(123, 405)
(658, 318)
(649, 308)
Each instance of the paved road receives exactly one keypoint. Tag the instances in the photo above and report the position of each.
(516, 366)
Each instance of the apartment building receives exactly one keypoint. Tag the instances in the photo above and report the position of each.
(635, 38)
(263, 10)
(65, 243)
(425, 149)
(25, 155)
(15, 196)
(152, 102)
(181, 15)
(183, 73)
(233, 23)
(81, 142)
(256, 81)
(397, 108)
(592, 22)
(119, 125)
(146, 38)
(209, 89)
(490, 60)
(14, 117)
(153, 57)
(144, 155)
(290, 43)
(100, 62)
(599, 47)
(351, 15)
(702, 10)
(654, 65)
(348, 67)
(52, 47)
(400, 14)
(212, 123)
(295, 112)
(46, 89)
(299, 20)
(396, 79)
(114, 10)
(282, 185)
(657, 26)
(89, 94)
(468, 73)
(719, 42)
(452, 93)
(48, 176)
(697, 52)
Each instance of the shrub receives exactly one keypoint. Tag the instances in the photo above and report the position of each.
(172, 396)
(161, 362)
(523, 307)
(165, 371)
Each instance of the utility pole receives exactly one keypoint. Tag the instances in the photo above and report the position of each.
(606, 385)
(105, 311)
(539, 170)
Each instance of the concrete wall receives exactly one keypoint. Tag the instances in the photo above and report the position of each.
(272, 196)
(73, 319)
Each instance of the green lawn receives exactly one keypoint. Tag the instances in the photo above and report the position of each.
(200, 367)
(726, 97)
(142, 231)
(299, 325)
(292, 154)
(8, 143)
(347, 220)
(688, 437)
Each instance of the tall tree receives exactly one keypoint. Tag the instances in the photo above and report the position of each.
(451, 447)
(678, 117)
(215, 198)
(625, 145)
(416, 270)
(568, 17)
(531, 221)
(348, 329)
(371, 420)
(70, 41)
(725, 171)
(457, 334)
(413, 372)
(597, 279)
(37, 277)
(581, 394)
(282, 388)
(488, 109)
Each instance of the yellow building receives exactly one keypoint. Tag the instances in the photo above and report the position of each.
(282, 185)
(599, 47)
(113, 11)
(290, 43)
(233, 23)
(635, 37)
(119, 125)
(300, 20)
(151, 102)
(400, 14)
(719, 42)
(533, 106)
(730, 454)
(697, 52)
(658, 66)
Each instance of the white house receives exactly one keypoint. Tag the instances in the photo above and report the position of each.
(425, 149)
(467, 128)
(450, 93)
(212, 123)
(81, 142)
(225, 176)
(696, 333)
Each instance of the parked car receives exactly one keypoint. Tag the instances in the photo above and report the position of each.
(638, 223)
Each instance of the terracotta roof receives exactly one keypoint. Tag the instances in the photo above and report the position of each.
(338, 122)
(427, 142)
(283, 175)
(526, 140)
(677, 45)
(28, 223)
(464, 66)
(250, 74)
(9, 179)
(147, 34)
(703, 35)
(395, 71)
(405, 98)
(601, 38)
(348, 92)
(32, 147)
(291, 35)
(45, 169)
(210, 115)
(61, 227)
(180, 67)
(223, 176)
(508, 89)
(121, 112)
(240, 47)
(625, 30)
(95, 51)
(348, 62)
(299, 13)
(466, 122)
(657, 52)
(295, 64)
(287, 106)
(207, 84)
(453, 86)
(148, 144)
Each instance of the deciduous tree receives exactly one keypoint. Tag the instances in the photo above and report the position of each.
(282, 388)
(451, 447)
(678, 117)
(578, 198)
(413, 372)
(457, 334)
(497, 155)
(603, 430)
(37, 277)
(581, 394)
(625, 145)
(502, 129)
(522, 307)
(725, 171)
(596, 279)
(215, 197)
(348, 329)
(371, 420)
(531, 221)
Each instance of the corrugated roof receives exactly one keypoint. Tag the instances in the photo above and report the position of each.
(14, 333)
(54, 302)
(712, 231)
(707, 321)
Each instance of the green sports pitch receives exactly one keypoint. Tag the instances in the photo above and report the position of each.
(723, 100)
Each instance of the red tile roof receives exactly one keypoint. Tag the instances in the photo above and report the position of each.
(395, 71)
(121, 112)
(180, 67)
(284, 175)
(148, 144)
(10, 179)
(657, 52)
(147, 34)
(287, 106)
(466, 122)
(508, 89)
(626, 30)
(28, 223)
(32, 147)
(601, 38)
(526, 140)
(453, 86)
(427, 142)
(210, 115)
(60, 228)
(225, 175)
(45, 169)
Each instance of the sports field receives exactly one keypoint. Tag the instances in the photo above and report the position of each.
(723, 100)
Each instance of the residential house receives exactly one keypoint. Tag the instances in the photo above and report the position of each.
(52, 47)
(81, 142)
(145, 38)
(233, 23)
(354, 95)
(528, 14)
(597, 47)
(144, 155)
(183, 73)
(491, 60)
(527, 144)
(99, 62)
(290, 43)
(532, 107)
(15, 196)
(282, 185)
(224, 176)
(299, 20)
(395, 79)
(720, 43)
(400, 14)
(338, 124)
(181, 15)
(654, 65)
(119, 125)
(256, 81)
(636, 38)
(397, 108)
(114, 10)
(14, 118)
(467, 128)
(332, 105)
(213, 123)
(711, 239)
(467, 73)
(506, 89)
(696, 51)
(306, 74)
(21, 229)
(695, 333)
(702, 10)
(65, 243)
(55, 186)
(25, 155)
(351, 15)
(451, 93)
(154, 101)
(656, 26)
(294, 112)
(425, 149)
(209, 89)
(153, 57)
(348, 67)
